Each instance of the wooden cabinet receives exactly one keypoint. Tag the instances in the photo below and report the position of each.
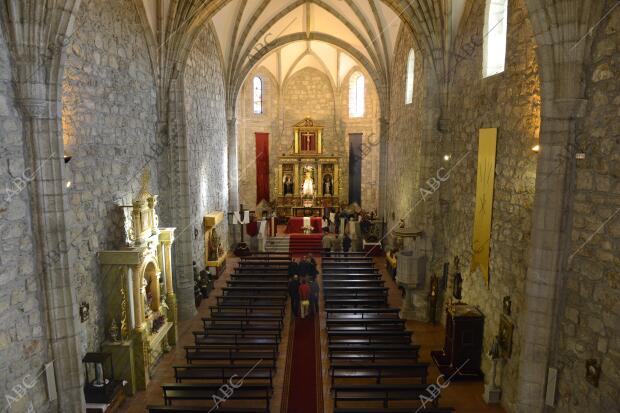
(462, 351)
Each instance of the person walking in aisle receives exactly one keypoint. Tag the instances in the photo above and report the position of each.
(304, 296)
(346, 242)
(314, 296)
(326, 243)
(293, 291)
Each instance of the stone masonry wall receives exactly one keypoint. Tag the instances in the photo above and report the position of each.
(308, 92)
(109, 120)
(510, 102)
(206, 132)
(590, 318)
(405, 135)
(23, 342)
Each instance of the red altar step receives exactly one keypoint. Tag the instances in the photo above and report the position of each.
(306, 244)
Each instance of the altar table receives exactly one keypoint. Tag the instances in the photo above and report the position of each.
(295, 225)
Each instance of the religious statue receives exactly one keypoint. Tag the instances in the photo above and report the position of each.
(308, 186)
(288, 185)
(146, 298)
(214, 245)
(328, 187)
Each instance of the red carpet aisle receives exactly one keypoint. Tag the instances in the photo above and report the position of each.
(304, 244)
(305, 387)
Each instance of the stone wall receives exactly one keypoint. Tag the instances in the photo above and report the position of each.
(309, 92)
(207, 139)
(510, 102)
(109, 120)
(23, 343)
(407, 123)
(590, 317)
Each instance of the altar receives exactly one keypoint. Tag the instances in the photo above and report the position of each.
(296, 224)
(308, 180)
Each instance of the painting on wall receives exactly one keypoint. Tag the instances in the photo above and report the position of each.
(484, 201)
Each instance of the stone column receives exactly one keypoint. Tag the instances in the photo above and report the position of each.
(384, 136)
(171, 298)
(551, 228)
(233, 167)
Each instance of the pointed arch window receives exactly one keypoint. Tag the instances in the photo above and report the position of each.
(356, 95)
(257, 87)
(494, 43)
(410, 77)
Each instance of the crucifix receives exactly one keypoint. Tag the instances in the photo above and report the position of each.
(242, 249)
(307, 141)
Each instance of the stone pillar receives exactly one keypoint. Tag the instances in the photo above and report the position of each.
(551, 230)
(233, 167)
(384, 136)
(171, 298)
(180, 202)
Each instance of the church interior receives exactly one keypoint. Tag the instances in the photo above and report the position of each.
(310, 206)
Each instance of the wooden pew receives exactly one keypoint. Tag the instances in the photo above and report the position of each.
(184, 391)
(247, 309)
(231, 354)
(372, 282)
(196, 409)
(395, 410)
(235, 334)
(201, 340)
(250, 300)
(355, 302)
(369, 336)
(353, 292)
(223, 373)
(379, 372)
(334, 312)
(387, 323)
(379, 392)
(244, 291)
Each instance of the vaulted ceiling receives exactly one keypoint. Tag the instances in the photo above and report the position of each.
(331, 35)
(367, 27)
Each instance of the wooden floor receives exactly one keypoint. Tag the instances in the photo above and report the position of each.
(465, 397)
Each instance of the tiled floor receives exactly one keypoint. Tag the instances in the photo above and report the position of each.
(465, 397)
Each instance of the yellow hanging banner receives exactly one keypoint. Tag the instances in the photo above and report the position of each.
(485, 180)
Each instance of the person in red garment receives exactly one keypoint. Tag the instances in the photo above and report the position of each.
(304, 297)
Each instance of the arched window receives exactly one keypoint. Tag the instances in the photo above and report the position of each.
(410, 73)
(258, 95)
(356, 95)
(494, 43)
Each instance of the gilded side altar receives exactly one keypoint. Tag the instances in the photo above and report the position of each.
(139, 293)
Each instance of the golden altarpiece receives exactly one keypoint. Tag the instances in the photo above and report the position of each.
(307, 179)
(139, 301)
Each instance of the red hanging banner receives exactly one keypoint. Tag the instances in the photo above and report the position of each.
(262, 167)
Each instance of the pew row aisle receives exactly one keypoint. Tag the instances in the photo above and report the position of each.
(373, 365)
(233, 361)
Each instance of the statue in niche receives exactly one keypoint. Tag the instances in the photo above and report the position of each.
(308, 186)
(288, 185)
(147, 297)
(328, 185)
(214, 245)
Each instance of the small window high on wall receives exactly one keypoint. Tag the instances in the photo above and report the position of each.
(356, 95)
(495, 30)
(410, 77)
(258, 95)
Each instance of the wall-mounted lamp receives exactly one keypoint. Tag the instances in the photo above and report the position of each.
(67, 158)
(447, 157)
(68, 184)
(536, 148)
